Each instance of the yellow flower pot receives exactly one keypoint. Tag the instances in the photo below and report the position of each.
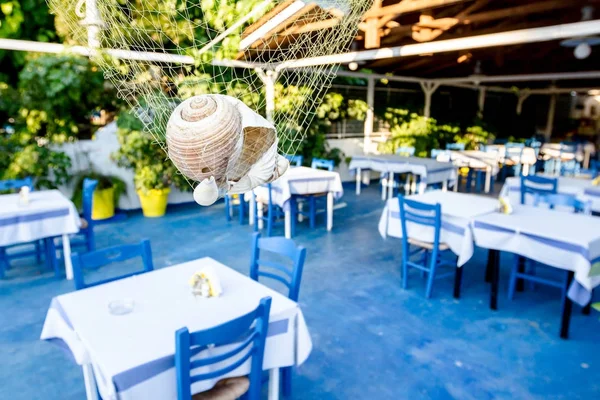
(154, 202)
(103, 206)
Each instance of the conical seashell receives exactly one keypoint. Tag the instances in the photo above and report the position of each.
(207, 192)
(204, 135)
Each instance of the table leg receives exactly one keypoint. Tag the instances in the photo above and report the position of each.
(488, 179)
(457, 281)
(494, 261)
(422, 187)
(260, 213)
(521, 268)
(91, 390)
(329, 211)
(525, 169)
(390, 186)
(274, 384)
(67, 256)
(288, 224)
(567, 306)
(251, 210)
(358, 179)
(457, 180)
(445, 186)
(384, 183)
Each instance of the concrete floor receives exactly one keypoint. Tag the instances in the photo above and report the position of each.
(372, 340)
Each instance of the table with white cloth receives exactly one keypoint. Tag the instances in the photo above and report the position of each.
(475, 159)
(582, 154)
(559, 239)
(300, 181)
(47, 215)
(430, 171)
(582, 188)
(131, 356)
(458, 210)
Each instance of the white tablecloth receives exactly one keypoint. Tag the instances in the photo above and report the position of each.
(552, 150)
(581, 188)
(48, 214)
(458, 209)
(301, 181)
(430, 171)
(133, 355)
(563, 240)
(475, 159)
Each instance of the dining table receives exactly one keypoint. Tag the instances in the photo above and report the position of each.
(132, 356)
(46, 214)
(298, 181)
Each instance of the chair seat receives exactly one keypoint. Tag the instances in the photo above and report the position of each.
(426, 245)
(225, 389)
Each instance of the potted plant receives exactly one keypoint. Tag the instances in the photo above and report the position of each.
(106, 195)
(152, 185)
(153, 172)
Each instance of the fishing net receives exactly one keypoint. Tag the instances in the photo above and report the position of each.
(160, 54)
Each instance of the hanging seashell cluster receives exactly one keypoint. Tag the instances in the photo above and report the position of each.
(220, 142)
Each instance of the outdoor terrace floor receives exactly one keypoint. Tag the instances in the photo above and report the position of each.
(372, 340)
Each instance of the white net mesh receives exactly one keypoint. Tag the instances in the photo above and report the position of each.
(160, 52)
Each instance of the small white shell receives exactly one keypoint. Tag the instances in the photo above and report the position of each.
(207, 192)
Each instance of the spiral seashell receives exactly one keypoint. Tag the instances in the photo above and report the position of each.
(204, 137)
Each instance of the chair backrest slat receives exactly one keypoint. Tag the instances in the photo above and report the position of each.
(296, 160)
(101, 258)
(537, 184)
(424, 214)
(252, 326)
(320, 163)
(16, 184)
(283, 247)
(89, 186)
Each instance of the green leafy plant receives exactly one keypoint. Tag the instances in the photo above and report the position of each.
(152, 169)
(104, 182)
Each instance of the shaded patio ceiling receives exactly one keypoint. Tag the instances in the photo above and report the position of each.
(392, 23)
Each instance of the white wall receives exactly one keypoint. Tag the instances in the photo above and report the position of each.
(95, 154)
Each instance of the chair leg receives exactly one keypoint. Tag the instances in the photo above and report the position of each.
(567, 306)
(313, 211)
(227, 208)
(38, 251)
(90, 239)
(433, 258)
(405, 250)
(469, 180)
(286, 381)
(3, 262)
(512, 284)
(242, 209)
(294, 212)
(479, 182)
(270, 219)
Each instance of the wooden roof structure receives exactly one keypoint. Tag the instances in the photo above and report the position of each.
(397, 23)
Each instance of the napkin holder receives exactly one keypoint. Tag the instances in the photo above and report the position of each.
(24, 196)
(206, 283)
(505, 206)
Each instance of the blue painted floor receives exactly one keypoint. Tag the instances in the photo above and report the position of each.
(372, 340)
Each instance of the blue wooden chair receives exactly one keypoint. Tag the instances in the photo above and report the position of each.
(321, 163)
(295, 161)
(405, 151)
(273, 212)
(242, 207)
(290, 278)
(38, 250)
(535, 184)
(513, 151)
(428, 215)
(568, 167)
(246, 334)
(100, 258)
(455, 146)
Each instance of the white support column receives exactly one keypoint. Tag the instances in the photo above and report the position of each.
(550, 120)
(370, 117)
(522, 97)
(428, 89)
(481, 101)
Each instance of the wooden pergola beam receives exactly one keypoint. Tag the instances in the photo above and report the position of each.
(407, 6)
